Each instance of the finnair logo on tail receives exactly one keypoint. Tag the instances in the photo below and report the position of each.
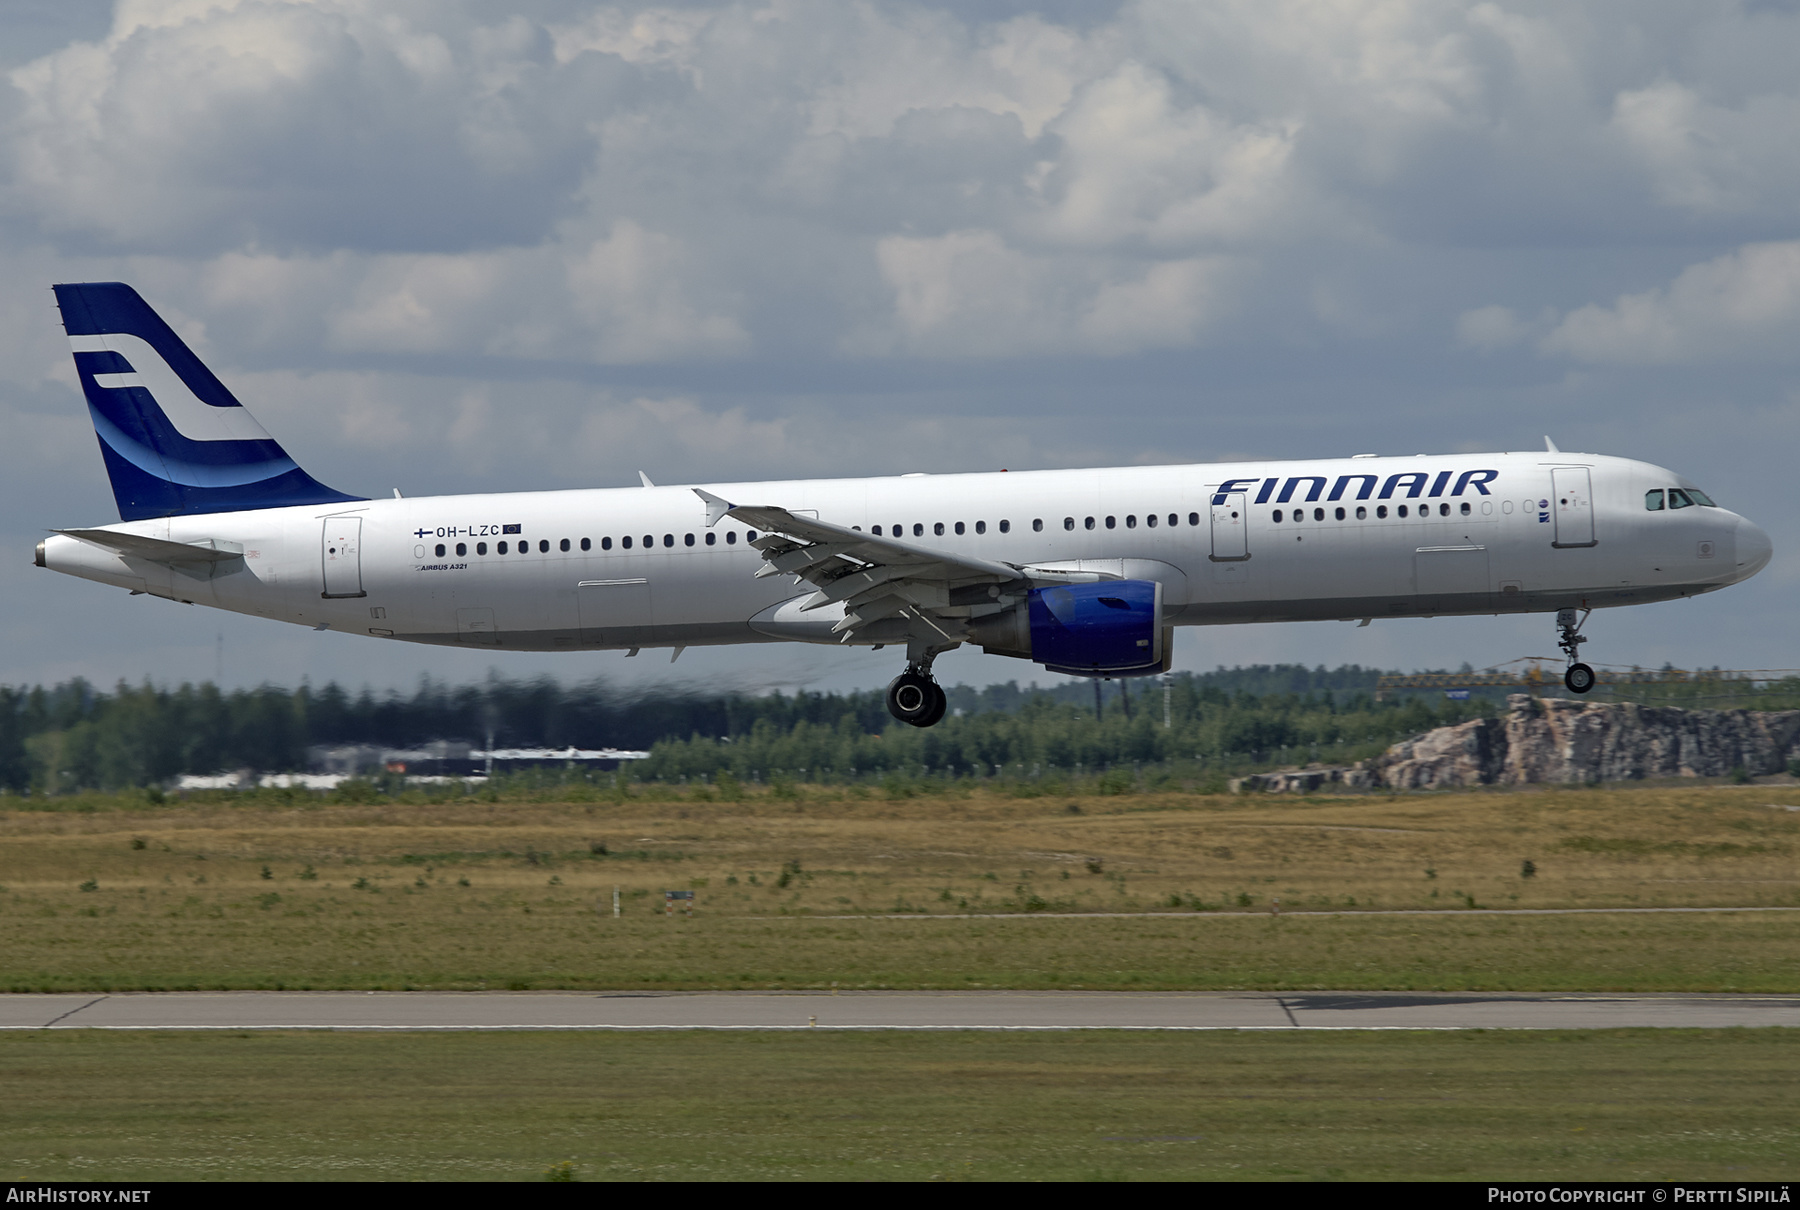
(187, 413)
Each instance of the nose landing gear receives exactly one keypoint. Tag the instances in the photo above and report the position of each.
(1579, 678)
(913, 697)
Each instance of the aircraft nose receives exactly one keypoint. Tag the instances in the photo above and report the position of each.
(1753, 549)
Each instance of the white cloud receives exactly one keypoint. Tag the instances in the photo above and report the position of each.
(1746, 302)
(1491, 328)
(1707, 158)
(967, 294)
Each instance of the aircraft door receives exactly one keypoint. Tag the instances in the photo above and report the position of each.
(1230, 529)
(1574, 506)
(340, 550)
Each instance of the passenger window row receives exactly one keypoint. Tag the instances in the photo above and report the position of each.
(1362, 513)
(1037, 525)
(524, 548)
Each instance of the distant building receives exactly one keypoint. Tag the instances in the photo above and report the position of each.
(329, 765)
(450, 758)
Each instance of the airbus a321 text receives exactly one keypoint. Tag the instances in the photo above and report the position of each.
(1083, 571)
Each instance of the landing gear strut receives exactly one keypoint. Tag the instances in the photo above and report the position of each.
(913, 697)
(1579, 678)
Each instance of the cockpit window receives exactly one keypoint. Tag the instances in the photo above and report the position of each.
(1654, 500)
(1701, 497)
(1678, 498)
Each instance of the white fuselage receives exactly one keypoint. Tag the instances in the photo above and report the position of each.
(1482, 533)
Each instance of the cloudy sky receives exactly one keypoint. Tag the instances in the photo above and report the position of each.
(449, 246)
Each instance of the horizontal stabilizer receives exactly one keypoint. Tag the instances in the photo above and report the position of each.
(158, 550)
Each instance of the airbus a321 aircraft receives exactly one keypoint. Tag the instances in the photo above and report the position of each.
(1086, 572)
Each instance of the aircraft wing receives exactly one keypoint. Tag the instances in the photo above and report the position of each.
(934, 591)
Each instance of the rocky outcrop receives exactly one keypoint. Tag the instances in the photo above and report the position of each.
(1549, 740)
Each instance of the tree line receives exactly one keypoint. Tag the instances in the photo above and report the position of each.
(77, 737)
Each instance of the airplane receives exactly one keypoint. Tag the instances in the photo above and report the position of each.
(1085, 572)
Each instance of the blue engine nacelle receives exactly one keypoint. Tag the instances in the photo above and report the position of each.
(1108, 629)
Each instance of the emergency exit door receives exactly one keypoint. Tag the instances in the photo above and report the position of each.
(1230, 530)
(340, 549)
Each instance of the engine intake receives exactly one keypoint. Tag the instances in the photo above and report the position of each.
(1111, 628)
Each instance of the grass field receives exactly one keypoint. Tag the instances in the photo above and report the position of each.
(1606, 1105)
(518, 894)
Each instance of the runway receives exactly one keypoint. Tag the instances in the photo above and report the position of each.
(983, 1010)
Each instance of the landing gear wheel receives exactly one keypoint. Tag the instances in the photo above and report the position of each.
(916, 699)
(940, 705)
(1579, 678)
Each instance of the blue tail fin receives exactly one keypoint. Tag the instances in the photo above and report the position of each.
(174, 439)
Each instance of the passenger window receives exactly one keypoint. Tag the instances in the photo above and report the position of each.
(440, 550)
(462, 549)
(1318, 514)
(1443, 510)
(668, 539)
(500, 549)
(1277, 517)
(938, 529)
(959, 529)
(1678, 498)
(981, 527)
(1130, 520)
(1381, 512)
(876, 530)
(1089, 523)
(711, 538)
(1006, 526)
(1112, 523)
(1340, 512)
(918, 530)
(1068, 523)
(625, 542)
(1150, 520)
(1401, 511)
(1465, 508)
(1193, 518)
(731, 537)
(564, 544)
(1173, 519)
(481, 548)
(1362, 514)
(1654, 500)
(687, 539)
(749, 535)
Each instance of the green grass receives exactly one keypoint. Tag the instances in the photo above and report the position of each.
(547, 941)
(1603, 1105)
(270, 894)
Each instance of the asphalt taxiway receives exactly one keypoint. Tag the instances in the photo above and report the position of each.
(974, 1010)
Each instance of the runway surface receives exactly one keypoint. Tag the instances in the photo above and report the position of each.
(889, 1010)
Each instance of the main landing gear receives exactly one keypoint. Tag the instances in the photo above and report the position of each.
(913, 697)
(1579, 678)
